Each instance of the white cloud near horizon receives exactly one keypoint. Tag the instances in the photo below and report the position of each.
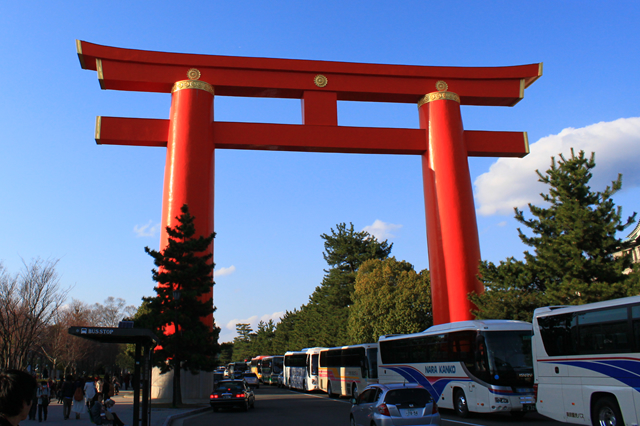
(255, 320)
(148, 230)
(382, 230)
(224, 271)
(513, 182)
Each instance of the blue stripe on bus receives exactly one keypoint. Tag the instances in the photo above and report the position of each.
(414, 376)
(625, 371)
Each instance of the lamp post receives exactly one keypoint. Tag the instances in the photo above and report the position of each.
(177, 394)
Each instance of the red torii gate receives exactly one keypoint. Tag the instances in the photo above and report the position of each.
(191, 136)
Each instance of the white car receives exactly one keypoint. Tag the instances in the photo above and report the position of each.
(394, 404)
(251, 379)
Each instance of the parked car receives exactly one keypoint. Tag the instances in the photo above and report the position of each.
(232, 393)
(398, 403)
(251, 379)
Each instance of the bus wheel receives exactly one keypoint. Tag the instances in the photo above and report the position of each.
(460, 401)
(606, 413)
(354, 391)
(329, 390)
(304, 385)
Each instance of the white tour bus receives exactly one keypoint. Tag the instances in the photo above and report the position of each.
(482, 366)
(587, 362)
(301, 369)
(345, 370)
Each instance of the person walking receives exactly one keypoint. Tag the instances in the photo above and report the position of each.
(78, 399)
(16, 396)
(107, 388)
(67, 396)
(99, 383)
(34, 404)
(44, 396)
(89, 391)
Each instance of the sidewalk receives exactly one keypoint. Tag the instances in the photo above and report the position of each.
(124, 410)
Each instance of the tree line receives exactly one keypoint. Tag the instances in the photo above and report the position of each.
(34, 320)
(576, 258)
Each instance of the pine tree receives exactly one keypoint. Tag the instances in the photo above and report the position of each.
(574, 242)
(323, 321)
(185, 276)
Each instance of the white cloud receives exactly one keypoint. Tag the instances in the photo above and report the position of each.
(224, 271)
(382, 230)
(254, 320)
(148, 230)
(513, 182)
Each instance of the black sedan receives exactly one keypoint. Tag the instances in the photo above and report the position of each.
(232, 393)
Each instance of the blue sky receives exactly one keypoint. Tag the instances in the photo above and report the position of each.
(96, 207)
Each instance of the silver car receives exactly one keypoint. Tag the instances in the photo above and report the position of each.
(394, 405)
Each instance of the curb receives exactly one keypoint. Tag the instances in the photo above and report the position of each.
(169, 420)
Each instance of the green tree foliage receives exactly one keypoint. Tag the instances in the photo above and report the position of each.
(184, 266)
(389, 298)
(323, 321)
(243, 343)
(574, 242)
(286, 336)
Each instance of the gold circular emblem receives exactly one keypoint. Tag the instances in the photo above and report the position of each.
(320, 80)
(193, 74)
(441, 86)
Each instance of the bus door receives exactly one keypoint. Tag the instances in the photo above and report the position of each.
(556, 383)
(312, 367)
(372, 361)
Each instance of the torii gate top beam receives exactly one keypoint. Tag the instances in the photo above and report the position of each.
(148, 71)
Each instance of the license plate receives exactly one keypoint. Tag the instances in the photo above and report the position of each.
(226, 396)
(528, 407)
(410, 412)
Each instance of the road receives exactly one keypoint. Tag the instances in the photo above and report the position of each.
(282, 407)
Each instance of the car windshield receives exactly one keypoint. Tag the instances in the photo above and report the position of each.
(415, 396)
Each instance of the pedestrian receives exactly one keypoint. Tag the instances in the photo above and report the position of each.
(102, 414)
(34, 404)
(89, 391)
(44, 395)
(59, 384)
(67, 396)
(107, 388)
(127, 378)
(78, 399)
(16, 396)
(99, 383)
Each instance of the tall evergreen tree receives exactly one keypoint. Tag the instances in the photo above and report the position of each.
(574, 241)
(323, 321)
(184, 275)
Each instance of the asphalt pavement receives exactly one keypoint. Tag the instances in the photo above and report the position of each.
(123, 408)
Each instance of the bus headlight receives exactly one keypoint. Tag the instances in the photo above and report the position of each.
(502, 400)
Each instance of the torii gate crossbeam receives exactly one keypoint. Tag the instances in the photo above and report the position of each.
(191, 136)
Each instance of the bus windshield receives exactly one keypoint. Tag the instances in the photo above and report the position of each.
(504, 358)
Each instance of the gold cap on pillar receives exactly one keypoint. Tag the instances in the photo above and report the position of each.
(193, 83)
(441, 94)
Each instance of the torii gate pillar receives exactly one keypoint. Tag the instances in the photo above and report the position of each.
(454, 248)
(442, 142)
(189, 169)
